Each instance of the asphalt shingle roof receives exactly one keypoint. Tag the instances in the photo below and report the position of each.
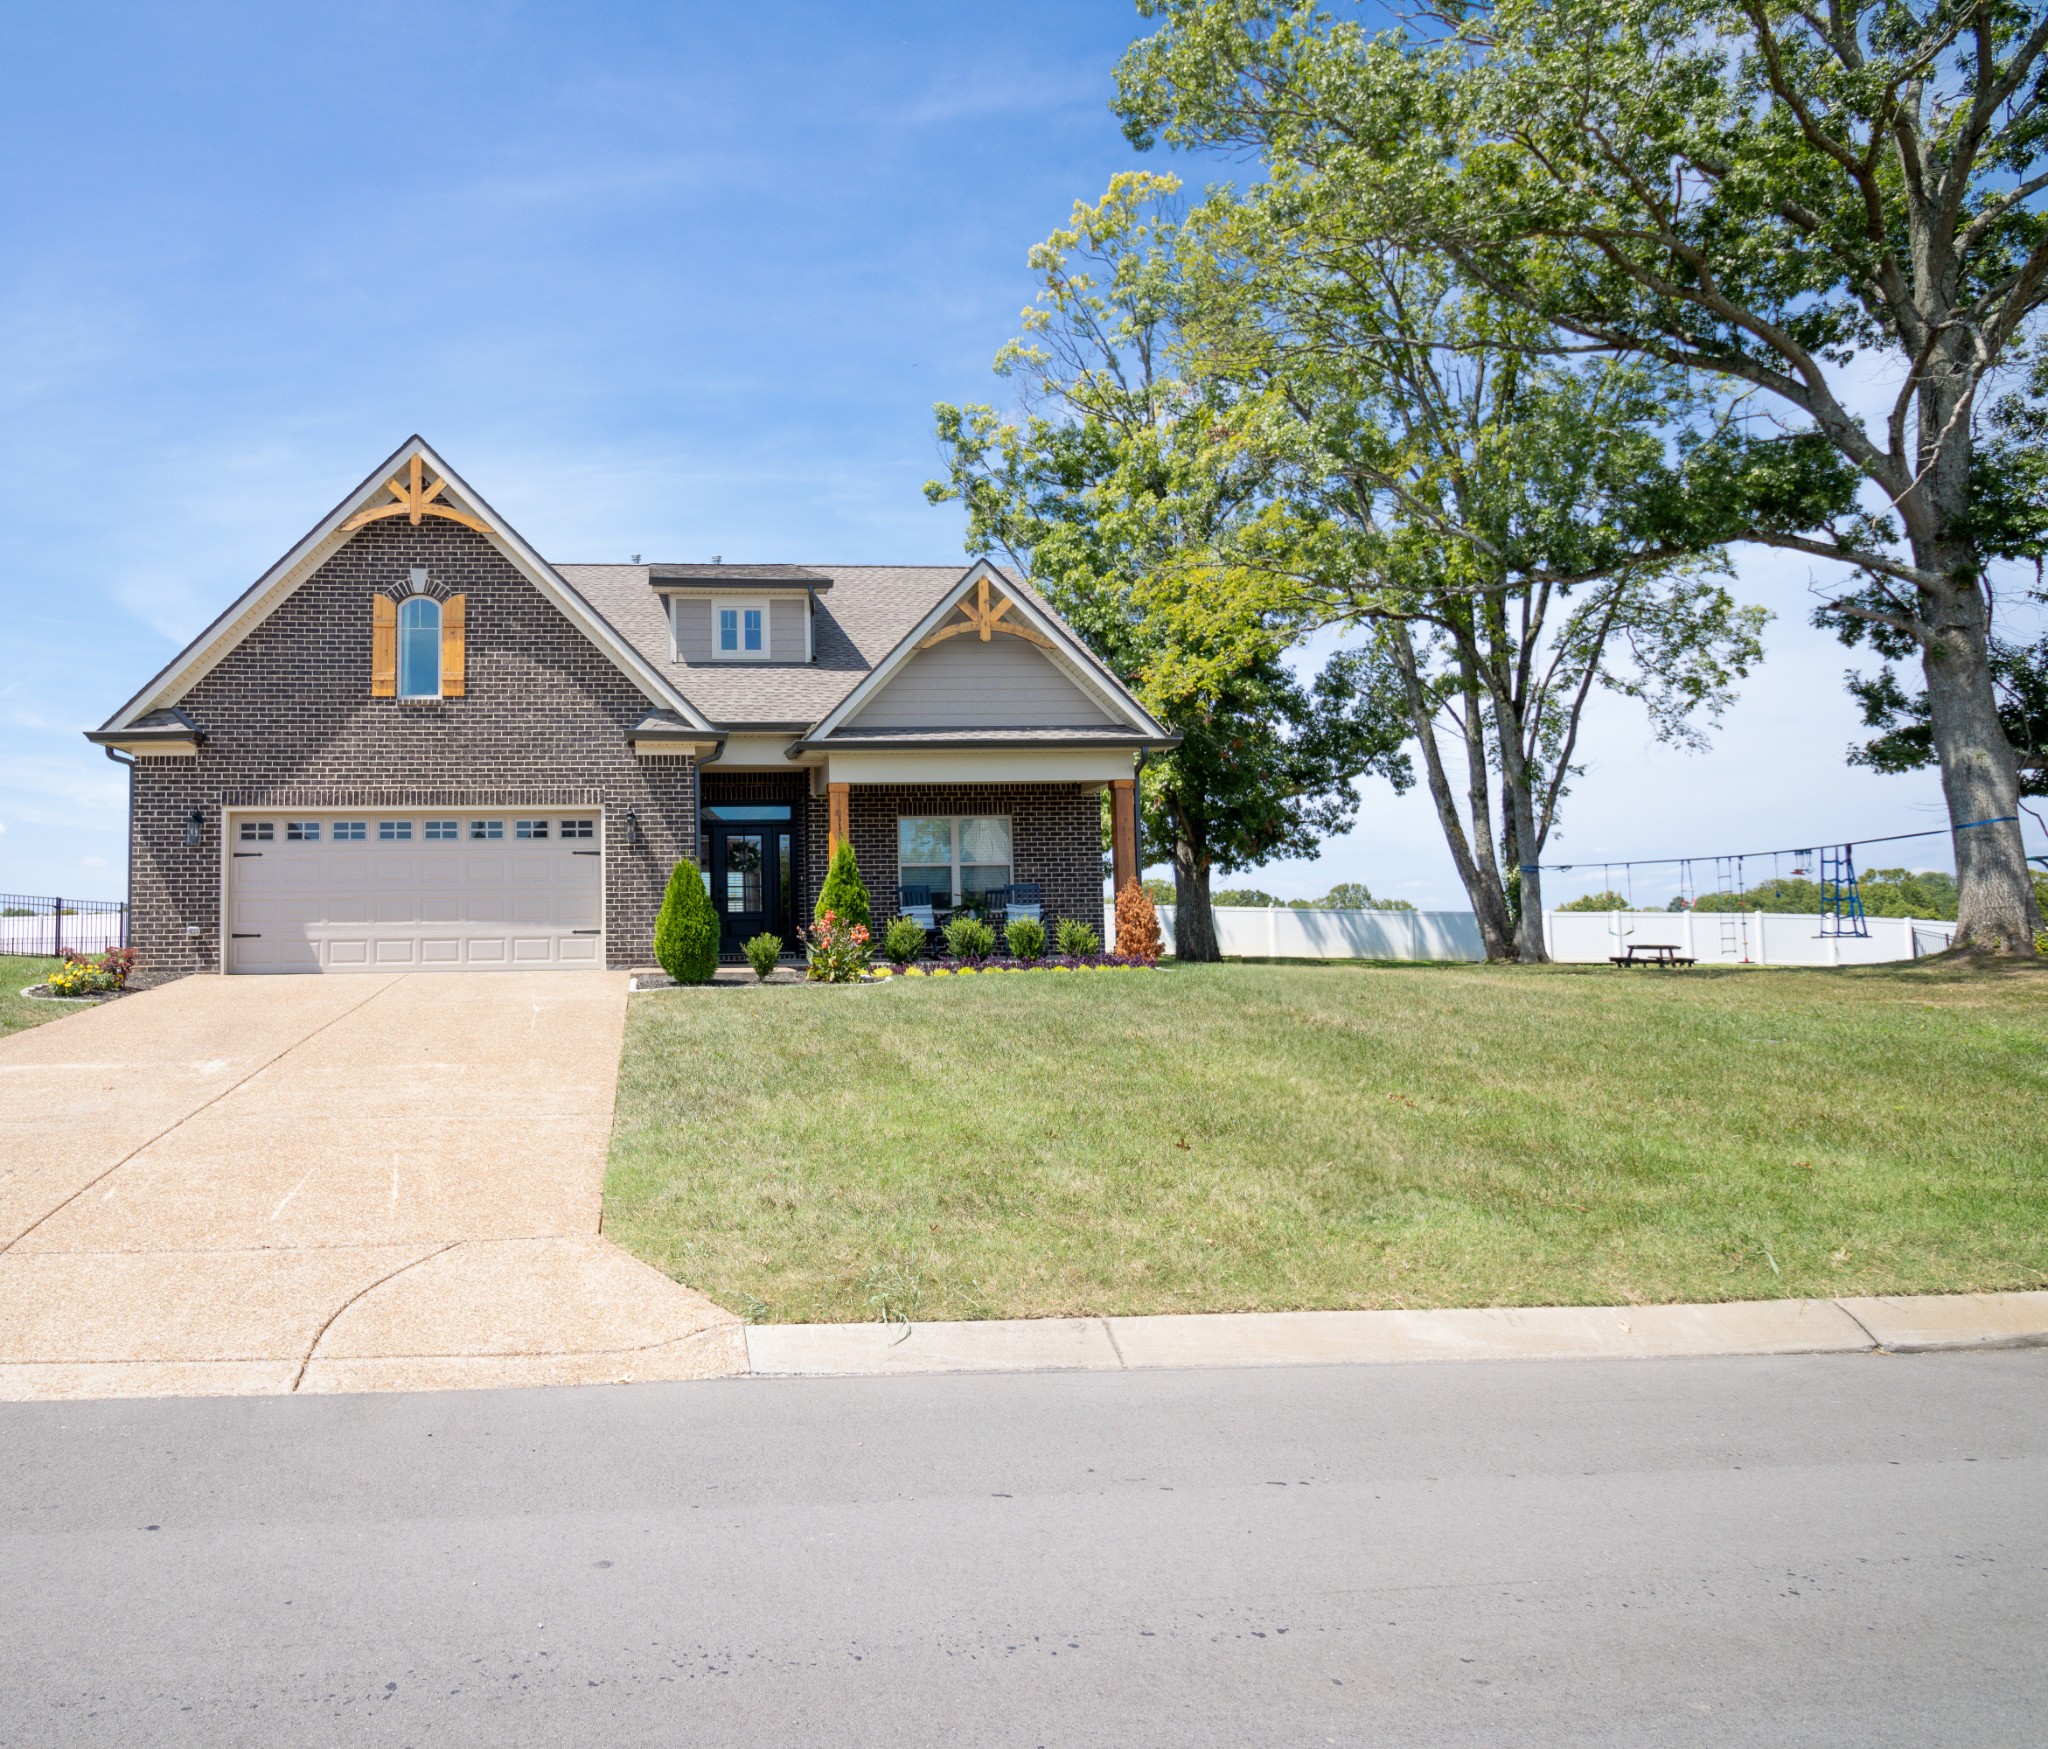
(867, 612)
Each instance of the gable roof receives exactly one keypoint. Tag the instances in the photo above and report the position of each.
(399, 477)
(867, 627)
(1067, 652)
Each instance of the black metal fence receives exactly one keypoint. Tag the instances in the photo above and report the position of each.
(31, 924)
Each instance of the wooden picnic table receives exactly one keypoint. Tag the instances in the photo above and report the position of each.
(1651, 954)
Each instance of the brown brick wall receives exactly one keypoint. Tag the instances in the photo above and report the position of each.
(1055, 838)
(290, 722)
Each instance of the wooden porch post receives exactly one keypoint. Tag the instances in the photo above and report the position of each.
(838, 816)
(1123, 831)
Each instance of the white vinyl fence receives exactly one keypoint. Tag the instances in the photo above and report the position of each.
(1758, 938)
(1279, 933)
(1735, 938)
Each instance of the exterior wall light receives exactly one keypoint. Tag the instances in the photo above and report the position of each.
(633, 826)
(195, 823)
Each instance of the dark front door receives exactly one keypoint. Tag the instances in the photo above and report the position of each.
(750, 883)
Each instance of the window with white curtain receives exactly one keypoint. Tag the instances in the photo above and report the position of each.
(959, 856)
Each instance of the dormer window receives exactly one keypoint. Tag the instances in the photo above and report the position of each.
(740, 631)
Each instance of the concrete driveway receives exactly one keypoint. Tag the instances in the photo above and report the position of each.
(249, 1185)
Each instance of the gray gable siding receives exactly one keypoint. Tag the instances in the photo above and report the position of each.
(695, 622)
(693, 629)
(963, 683)
(785, 630)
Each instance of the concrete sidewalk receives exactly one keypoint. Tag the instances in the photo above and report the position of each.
(1906, 1325)
(234, 1186)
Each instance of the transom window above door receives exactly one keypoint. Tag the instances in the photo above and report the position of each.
(961, 857)
(740, 631)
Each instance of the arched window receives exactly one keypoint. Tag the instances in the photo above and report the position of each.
(419, 647)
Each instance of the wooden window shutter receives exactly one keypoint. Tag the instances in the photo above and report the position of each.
(454, 642)
(383, 647)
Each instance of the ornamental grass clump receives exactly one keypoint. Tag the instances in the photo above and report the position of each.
(763, 952)
(686, 932)
(1078, 941)
(903, 940)
(1137, 925)
(969, 940)
(839, 950)
(1026, 937)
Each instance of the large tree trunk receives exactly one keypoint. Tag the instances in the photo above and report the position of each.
(1996, 911)
(1487, 903)
(1194, 919)
(1519, 842)
(1980, 779)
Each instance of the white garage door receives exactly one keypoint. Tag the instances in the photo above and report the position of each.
(443, 891)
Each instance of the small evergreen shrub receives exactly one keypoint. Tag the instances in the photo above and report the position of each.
(970, 940)
(1137, 925)
(1026, 936)
(843, 894)
(686, 932)
(903, 940)
(762, 952)
(1077, 940)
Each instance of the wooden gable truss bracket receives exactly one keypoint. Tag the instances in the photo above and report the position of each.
(415, 500)
(983, 615)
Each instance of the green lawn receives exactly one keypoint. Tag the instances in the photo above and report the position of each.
(1232, 1137)
(16, 1010)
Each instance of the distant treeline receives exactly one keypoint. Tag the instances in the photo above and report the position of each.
(1344, 896)
(1887, 892)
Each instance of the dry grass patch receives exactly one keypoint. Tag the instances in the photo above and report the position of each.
(1238, 1137)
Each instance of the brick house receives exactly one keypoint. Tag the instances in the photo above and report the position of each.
(414, 743)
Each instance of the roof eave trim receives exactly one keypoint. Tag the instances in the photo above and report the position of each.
(993, 739)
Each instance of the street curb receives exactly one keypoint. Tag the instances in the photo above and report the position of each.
(1902, 1324)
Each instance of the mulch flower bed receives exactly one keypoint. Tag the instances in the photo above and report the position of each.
(1097, 962)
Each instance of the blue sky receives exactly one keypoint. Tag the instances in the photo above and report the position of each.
(680, 280)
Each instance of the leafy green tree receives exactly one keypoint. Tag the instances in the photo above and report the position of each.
(1885, 892)
(686, 928)
(1607, 901)
(1509, 533)
(2009, 509)
(1349, 896)
(1786, 201)
(1114, 474)
(1251, 898)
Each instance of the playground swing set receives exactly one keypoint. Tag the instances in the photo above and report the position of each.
(1841, 898)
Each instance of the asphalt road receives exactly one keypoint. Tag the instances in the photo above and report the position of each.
(1843, 1550)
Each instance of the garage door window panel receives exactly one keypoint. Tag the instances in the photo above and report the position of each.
(449, 893)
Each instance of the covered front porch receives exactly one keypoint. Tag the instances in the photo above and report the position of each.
(964, 840)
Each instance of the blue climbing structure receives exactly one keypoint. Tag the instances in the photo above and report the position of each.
(1841, 900)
